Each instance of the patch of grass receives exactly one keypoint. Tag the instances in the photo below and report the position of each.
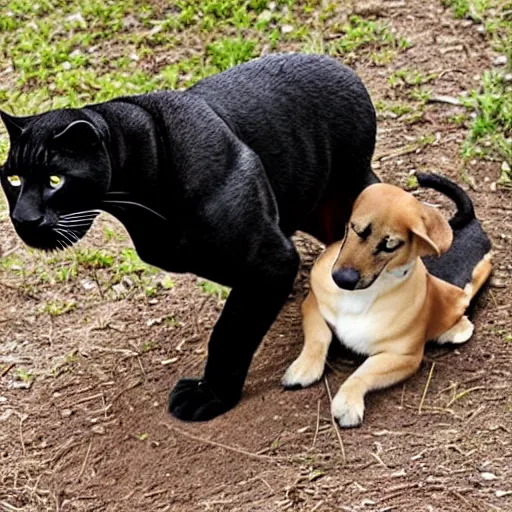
(23, 375)
(364, 34)
(473, 9)
(397, 109)
(129, 263)
(409, 78)
(412, 182)
(147, 346)
(229, 52)
(219, 291)
(89, 258)
(58, 307)
(490, 132)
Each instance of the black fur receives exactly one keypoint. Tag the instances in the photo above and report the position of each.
(225, 172)
(470, 242)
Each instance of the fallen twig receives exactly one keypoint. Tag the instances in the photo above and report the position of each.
(317, 423)
(429, 378)
(7, 369)
(225, 446)
(333, 419)
(441, 98)
(84, 462)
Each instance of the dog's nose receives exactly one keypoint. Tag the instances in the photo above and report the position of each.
(346, 278)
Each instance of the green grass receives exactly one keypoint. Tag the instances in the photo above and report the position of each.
(221, 292)
(365, 36)
(490, 130)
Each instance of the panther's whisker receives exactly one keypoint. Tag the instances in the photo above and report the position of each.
(79, 216)
(132, 203)
(89, 219)
(64, 235)
(73, 224)
(62, 246)
(73, 234)
(92, 213)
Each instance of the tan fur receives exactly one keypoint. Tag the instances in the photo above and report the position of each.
(391, 317)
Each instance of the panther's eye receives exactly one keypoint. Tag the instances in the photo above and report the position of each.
(14, 180)
(55, 181)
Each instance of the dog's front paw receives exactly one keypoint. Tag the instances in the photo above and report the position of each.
(302, 373)
(348, 408)
(194, 400)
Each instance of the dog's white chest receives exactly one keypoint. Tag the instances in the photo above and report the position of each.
(353, 320)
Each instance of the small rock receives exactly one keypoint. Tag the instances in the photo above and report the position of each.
(500, 494)
(493, 187)
(6, 415)
(156, 29)
(21, 384)
(134, 57)
(3, 399)
(265, 15)
(508, 77)
(501, 60)
(98, 429)
(87, 284)
(371, 8)
(286, 29)
(66, 413)
(488, 476)
(66, 66)
(130, 21)
(76, 18)
(498, 283)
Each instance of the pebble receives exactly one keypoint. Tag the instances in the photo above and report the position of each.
(6, 415)
(501, 60)
(488, 476)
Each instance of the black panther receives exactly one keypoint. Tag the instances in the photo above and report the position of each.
(212, 180)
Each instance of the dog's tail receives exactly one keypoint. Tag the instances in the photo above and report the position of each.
(465, 211)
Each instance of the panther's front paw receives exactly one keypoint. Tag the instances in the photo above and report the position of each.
(194, 400)
(302, 373)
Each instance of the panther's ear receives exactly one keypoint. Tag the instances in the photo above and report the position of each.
(78, 137)
(14, 125)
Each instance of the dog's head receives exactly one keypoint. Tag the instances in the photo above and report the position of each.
(388, 230)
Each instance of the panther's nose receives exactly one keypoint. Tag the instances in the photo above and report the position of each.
(346, 278)
(28, 220)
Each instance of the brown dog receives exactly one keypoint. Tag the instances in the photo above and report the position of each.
(374, 292)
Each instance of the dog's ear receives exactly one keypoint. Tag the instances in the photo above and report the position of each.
(433, 231)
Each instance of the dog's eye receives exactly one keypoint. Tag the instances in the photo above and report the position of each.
(14, 180)
(362, 233)
(55, 181)
(388, 245)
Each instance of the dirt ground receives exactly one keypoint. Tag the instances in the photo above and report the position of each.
(90, 431)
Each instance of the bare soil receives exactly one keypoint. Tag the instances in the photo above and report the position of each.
(92, 432)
